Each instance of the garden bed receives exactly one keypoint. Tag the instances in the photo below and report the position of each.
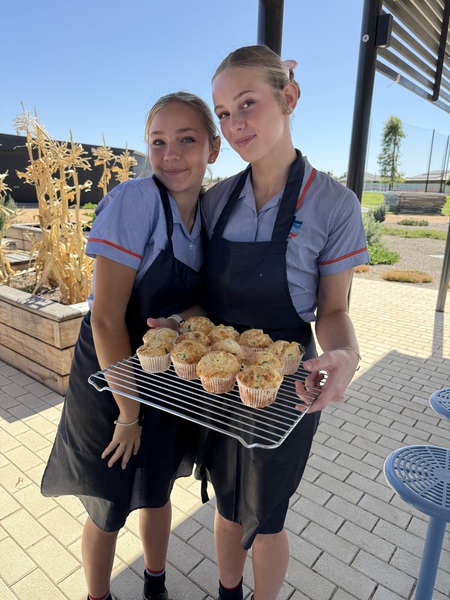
(38, 335)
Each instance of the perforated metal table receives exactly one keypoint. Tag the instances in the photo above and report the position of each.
(440, 402)
(420, 475)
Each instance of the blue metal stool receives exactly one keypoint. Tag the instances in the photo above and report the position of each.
(420, 475)
(440, 402)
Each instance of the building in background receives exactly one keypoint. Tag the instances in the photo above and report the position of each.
(14, 157)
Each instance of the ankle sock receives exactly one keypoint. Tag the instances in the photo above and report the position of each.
(154, 582)
(234, 593)
(106, 597)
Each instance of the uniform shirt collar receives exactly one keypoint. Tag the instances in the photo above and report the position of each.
(248, 198)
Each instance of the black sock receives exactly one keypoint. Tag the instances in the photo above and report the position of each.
(235, 593)
(154, 584)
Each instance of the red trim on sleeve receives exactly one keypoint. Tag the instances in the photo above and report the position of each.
(98, 241)
(306, 188)
(335, 260)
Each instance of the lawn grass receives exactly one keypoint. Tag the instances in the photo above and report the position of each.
(415, 232)
(372, 199)
(446, 209)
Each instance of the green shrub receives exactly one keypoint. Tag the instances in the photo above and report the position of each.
(379, 213)
(379, 255)
(413, 222)
(7, 214)
(373, 229)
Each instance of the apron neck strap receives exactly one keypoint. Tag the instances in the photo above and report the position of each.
(287, 205)
(167, 210)
(228, 208)
(289, 199)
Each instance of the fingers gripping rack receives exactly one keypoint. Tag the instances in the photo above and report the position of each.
(254, 427)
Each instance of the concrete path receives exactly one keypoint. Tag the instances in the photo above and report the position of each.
(351, 537)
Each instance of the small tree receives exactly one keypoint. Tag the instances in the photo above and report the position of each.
(389, 157)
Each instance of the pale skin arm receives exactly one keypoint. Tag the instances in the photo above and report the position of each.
(334, 329)
(113, 286)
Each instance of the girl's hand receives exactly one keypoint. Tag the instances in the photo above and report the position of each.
(162, 322)
(340, 366)
(125, 442)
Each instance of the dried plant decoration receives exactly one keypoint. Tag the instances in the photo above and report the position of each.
(7, 213)
(123, 169)
(53, 167)
(105, 156)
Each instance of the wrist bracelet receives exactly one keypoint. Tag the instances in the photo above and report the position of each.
(116, 422)
(352, 350)
(179, 320)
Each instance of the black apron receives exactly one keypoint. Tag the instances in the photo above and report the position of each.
(247, 287)
(167, 450)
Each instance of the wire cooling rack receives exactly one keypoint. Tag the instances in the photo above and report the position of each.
(254, 427)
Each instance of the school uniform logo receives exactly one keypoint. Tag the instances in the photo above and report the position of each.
(295, 229)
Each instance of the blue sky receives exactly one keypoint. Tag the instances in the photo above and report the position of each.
(96, 67)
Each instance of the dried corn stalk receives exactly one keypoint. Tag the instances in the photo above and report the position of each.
(104, 157)
(61, 259)
(123, 170)
(7, 212)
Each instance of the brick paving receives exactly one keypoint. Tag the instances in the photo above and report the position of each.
(351, 537)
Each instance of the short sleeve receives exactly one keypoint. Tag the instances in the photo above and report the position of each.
(346, 245)
(125, 220)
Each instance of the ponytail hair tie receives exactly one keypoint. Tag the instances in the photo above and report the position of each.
(290, 65)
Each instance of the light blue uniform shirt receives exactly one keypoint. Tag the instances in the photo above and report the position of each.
(130, 229)
(327, 235)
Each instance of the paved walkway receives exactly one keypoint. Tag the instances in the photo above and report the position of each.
(351, 537)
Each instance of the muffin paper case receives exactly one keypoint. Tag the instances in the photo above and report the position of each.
(154, 364)
(185, 370)
(256, 397)
(218, 385)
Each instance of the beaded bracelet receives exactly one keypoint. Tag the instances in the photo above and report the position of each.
(116, 422)
(353, 350)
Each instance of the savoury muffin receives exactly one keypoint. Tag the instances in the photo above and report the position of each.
(223, 332)
(217, 371)
(254, 340)
(202, 324)
(185, 357)
(264, 359)
(197, 336)
(164, 334)
(258, 385)
(154, 356)
(229, 345)
(290, 354)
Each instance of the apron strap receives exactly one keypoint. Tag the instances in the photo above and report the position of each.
(228, 208)
(288, 201)
(287, 204)
(167, 210)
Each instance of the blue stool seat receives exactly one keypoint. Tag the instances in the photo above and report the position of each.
(420, 475)
(440, 402)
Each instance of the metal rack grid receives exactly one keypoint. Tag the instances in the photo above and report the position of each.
(254, 427)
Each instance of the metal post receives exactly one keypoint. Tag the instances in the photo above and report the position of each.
(363, 96)
(445, 166)
(429, 161)
(445, 276)
(270, 24)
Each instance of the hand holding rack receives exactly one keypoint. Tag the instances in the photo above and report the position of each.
(254, 427)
